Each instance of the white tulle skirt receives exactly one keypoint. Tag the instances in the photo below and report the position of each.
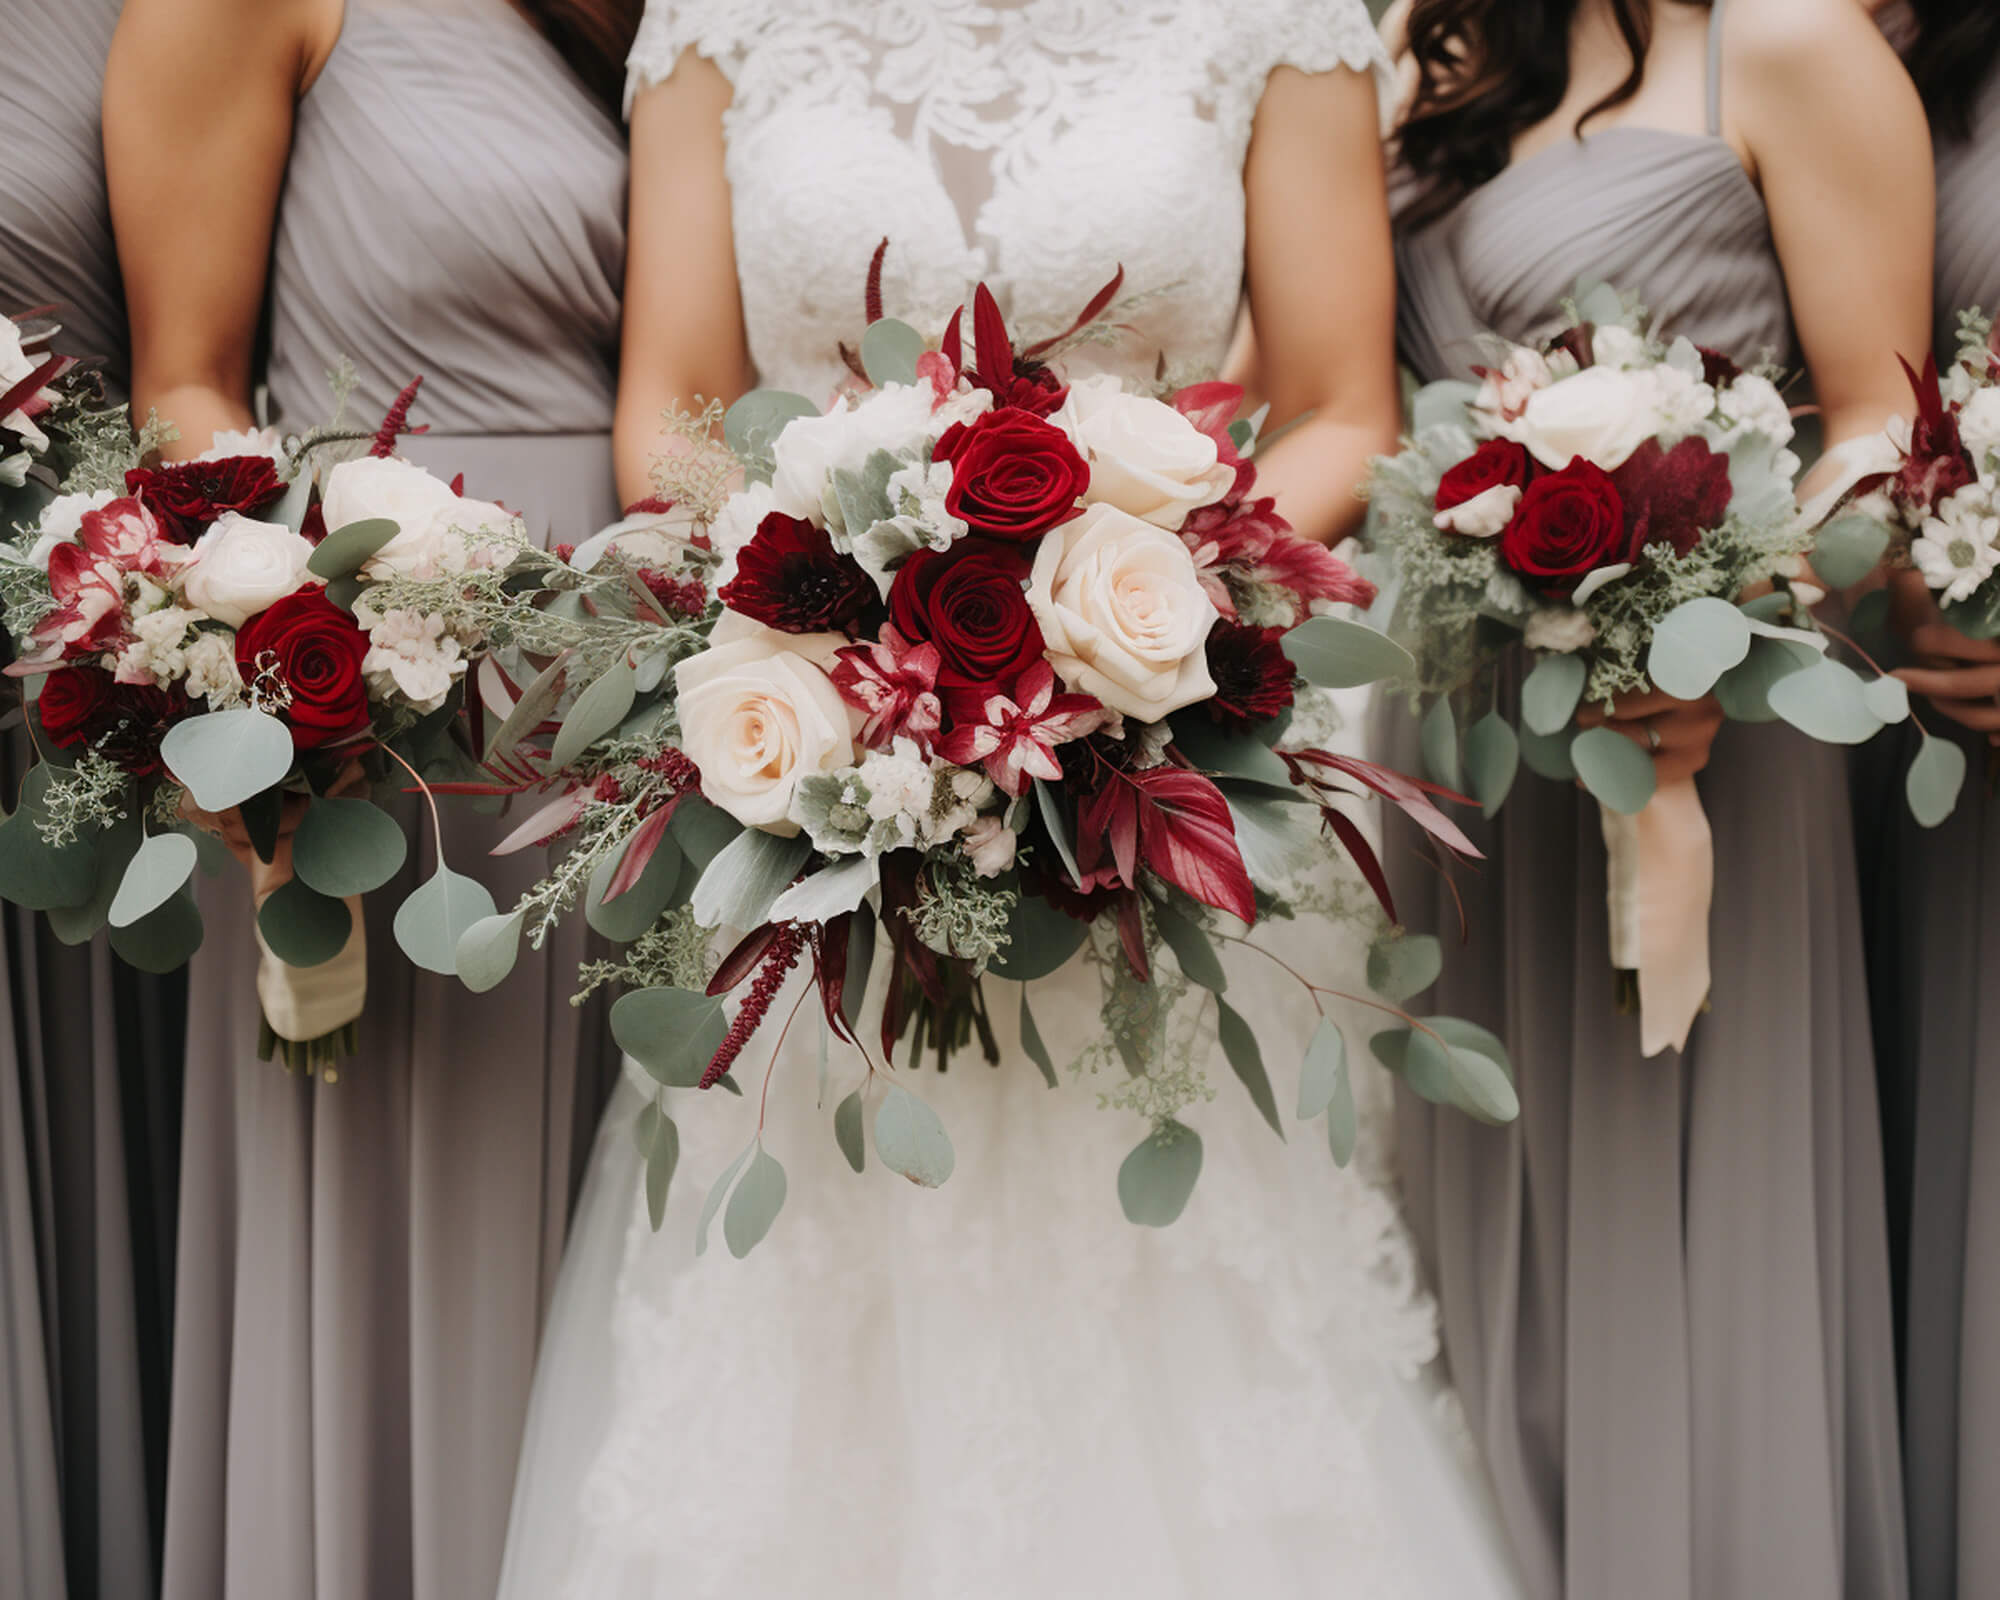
(1002, 1388)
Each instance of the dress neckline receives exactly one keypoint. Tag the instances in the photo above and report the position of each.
(1629, 132)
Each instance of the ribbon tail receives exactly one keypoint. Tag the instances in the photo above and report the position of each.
(1660, 884)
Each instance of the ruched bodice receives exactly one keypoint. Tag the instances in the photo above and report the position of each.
(1671, 217)
(454, 207)
(55, 227)
(1968, 258)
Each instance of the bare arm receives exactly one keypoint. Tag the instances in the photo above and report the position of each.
(196, 140)
(1322, 282)
(683, 312)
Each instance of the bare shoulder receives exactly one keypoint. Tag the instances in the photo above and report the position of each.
(1797, 43)
(300, 33)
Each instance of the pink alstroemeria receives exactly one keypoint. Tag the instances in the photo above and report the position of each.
(89, 617)
(127, 534)
(895, 683)
(1016, 742)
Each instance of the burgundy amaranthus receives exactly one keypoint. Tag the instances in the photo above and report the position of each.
(397, 422)
(778, 961)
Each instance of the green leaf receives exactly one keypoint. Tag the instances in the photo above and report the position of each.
(1453, 1063)
(343, 592)
(1888, 698)
(1246, 1060)
(1192, 948)
(860, 960)
(847, 1131)
(1695, 644)
(1847, 549)
(1031, 1042)
(636, 910)
(1342, 1123)
(660, 1143)
(1492, 760)
(1401, 968)
(303, 927)
(1871, 613)
(115, 848)
(347, 846)
(911, 1141)
(1227, 755)
(835, 889)
(488, 950)
(341, 553)
(703, 831)
(889, 352)
(1614, 769)
(1442, 405)
(1268, 836)
(1337, 653)
(741, 884)
(1320, 1073)
(1040, 939)
(436, 916)
(672, 1033)
(751, 427)
(717, 1190)
(1745, 691)
(222, 758)
(1438, 739)
(754, 1206)
(1547, 754)
(1549, 694)
(1935, 778)
(158, 869)
(262, 815)
(1155, 1180)
(859, 500)
(530, 710)
(597, 711)
(164, 940)
(33, 873)
(1825, 702)
(1058, 825)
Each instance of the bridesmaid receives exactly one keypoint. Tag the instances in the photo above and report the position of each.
(1937, 933)
(1665, 1290)
(90, 1048)
(438, 188)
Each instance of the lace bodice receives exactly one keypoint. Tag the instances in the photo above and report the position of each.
(1035, 144)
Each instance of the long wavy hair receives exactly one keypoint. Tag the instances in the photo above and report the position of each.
(1957, 48)
(594, 37)
(1487, 71)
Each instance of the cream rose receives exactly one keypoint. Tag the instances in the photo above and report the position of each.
(1123, 614)
(428, 516)
(756, 717)
(809, 450)
(242, 567)
(1145, 457)
(1601, 415)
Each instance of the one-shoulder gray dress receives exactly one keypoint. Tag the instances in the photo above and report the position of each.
(364, 1264)
(1665, 1289)
(1933, 949)
(90, 1049)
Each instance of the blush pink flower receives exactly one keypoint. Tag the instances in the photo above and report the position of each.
(1016, 741)
(894, 683)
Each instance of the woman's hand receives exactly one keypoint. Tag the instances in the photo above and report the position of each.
(1677, 734)
(1959, 676)
(266, 876)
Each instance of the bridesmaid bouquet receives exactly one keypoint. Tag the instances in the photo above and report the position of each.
(43, 396)
(235, 634)
(1622, 504)
(976, 668)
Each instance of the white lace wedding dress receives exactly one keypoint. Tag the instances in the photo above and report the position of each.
(1002, 1389)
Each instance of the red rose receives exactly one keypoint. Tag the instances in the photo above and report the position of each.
(314, 650)
(71, 704)
(1013, 476)
(790, 577)
(1498, 463)
(1253, 675)
(969, 602)
(190, 495)
(1569, 524)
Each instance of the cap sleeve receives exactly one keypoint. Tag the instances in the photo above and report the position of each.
(1321, 35)
(718, 30)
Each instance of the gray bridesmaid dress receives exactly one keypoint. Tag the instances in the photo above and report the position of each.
(1935, 944)
(90, 1049)
(1665, 1289)
(365, 1263)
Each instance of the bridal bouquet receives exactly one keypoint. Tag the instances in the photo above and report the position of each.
(231, 634)
(976, 668)
(1622, 504)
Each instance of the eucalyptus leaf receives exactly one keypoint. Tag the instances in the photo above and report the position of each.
(1547, 754)
(341, 553)
(741, 884)
(634, 912)
(1452, 1062)
(1040, 939)
(157, 870)
(436, 916)
(346, 846)
(1057, 824)
(1492, 760)
(860, 959)
(1745, 692)
(1342, 1121)
(1403, 967)
(1337, 653)
(302, 927)
(1695, 644)
(488, 950)
(717, 1191)
(1934, 780)
(1155, 1180)
(1192, 948)
(856, 501)
(598, 710)
(1847, 549)
(1442, 405)
(1321, 1072)
(1550, 692)
(531, 709)
(834, 889)
(115, 848)
(847, 1131)
(889, 352)
(751, 426)
(1826, 702)
(703, 831)
(663, 1155)
(1438, 740)
(33, 873)
(911, 1141)
(672, 1033)
(754, 1206)
(1888, 698)
(1229, 755)
(223, 758)
(1246, 1060)
(163, 940)
(1268, 837)
(1614, 769)
(1031, 1042)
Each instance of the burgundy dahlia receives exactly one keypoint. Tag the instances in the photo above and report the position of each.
(790, 577)
(189, 495)
(1253, 675)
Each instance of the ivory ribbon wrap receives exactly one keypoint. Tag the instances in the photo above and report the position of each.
(1660, 881)
(306, 1004)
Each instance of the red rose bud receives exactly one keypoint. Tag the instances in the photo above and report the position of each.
(190, 495)
(1013, 476)
(968, 601)
(314, 651)
(71, 703)
(1498, 463)
(790, 577)
(1568, 525)
(1253, 675)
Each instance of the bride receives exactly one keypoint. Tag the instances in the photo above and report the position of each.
(1002, 1388)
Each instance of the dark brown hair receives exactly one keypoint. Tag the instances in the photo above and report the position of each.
(1487, 71)
(1957, 48)
(594, 37)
